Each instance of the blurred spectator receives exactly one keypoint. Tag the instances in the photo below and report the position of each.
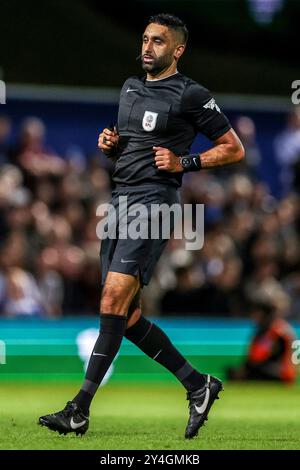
(296, 173)
(5, 130)
(245, 128)
(222, 294)
(287, 148)
(20, 295)
(270, 353)
(182, 299)
(50, 281)
(31, 153)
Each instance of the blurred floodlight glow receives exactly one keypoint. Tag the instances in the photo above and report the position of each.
(264, 10)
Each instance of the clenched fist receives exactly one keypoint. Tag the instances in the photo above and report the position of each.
(165, 159)
(108, 140)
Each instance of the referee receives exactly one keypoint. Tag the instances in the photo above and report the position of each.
(159, 117)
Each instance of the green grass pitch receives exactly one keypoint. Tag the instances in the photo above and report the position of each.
(141, 416)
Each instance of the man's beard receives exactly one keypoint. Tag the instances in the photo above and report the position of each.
(157, 65)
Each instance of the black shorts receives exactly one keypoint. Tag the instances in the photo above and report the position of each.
(137, 257)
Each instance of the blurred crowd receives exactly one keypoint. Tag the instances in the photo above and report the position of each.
(49, 252)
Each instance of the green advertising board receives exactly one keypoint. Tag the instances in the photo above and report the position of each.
(34, 349)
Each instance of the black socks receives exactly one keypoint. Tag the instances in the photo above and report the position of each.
(149, 338)
(155, 343)
(112, 328)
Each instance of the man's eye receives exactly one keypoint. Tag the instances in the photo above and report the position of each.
(157, 41)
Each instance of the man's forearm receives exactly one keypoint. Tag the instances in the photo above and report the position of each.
(222, 154)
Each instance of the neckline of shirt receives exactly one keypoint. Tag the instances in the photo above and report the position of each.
(155, 80)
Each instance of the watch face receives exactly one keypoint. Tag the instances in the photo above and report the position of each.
(185, 162)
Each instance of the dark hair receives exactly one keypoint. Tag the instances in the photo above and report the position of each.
(171, 21)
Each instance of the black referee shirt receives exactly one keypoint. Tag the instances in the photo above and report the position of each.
(169, 113)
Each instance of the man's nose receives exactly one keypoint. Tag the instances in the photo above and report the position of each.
(148, 47)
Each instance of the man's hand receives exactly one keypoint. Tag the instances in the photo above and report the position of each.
(167, 160)
(108, 140)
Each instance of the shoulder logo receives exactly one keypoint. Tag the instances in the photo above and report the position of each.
(149, 121)
(211, 104)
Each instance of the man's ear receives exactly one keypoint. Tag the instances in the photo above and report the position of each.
(179, 51)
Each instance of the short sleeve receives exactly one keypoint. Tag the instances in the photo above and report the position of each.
(201, 109)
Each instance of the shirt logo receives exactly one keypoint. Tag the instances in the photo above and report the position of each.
(149, 121)
(131, 89)
(212, 105)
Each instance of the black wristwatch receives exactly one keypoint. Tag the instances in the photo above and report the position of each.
(190, 162)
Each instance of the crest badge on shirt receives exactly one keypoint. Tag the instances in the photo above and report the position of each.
(149, 121)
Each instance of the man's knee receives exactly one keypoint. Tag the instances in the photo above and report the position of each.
(118, 292)
(110, 299)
